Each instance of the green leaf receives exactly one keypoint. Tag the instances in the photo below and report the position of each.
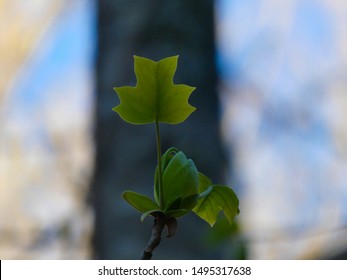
(140, 202)
(165, 159)
(155, 97)
(214, 199)
(180, 179)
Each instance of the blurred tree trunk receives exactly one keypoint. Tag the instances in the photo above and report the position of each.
(126, 154)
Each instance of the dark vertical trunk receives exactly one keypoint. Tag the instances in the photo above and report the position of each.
(125, 154)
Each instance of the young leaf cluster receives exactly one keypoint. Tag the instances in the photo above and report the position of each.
(178, 185)
(185, 189)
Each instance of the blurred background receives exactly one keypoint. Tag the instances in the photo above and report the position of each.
(271, 96)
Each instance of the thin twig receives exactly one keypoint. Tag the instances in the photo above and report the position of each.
(157, 229)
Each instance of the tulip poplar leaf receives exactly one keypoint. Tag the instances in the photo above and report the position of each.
(155, 98)
(214, 199)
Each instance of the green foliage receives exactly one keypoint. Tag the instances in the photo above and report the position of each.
(180, 179)
(215, 199)
(178, 185)
(140, 202)
(155, 98)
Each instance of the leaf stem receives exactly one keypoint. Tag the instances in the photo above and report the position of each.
(160, 175)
